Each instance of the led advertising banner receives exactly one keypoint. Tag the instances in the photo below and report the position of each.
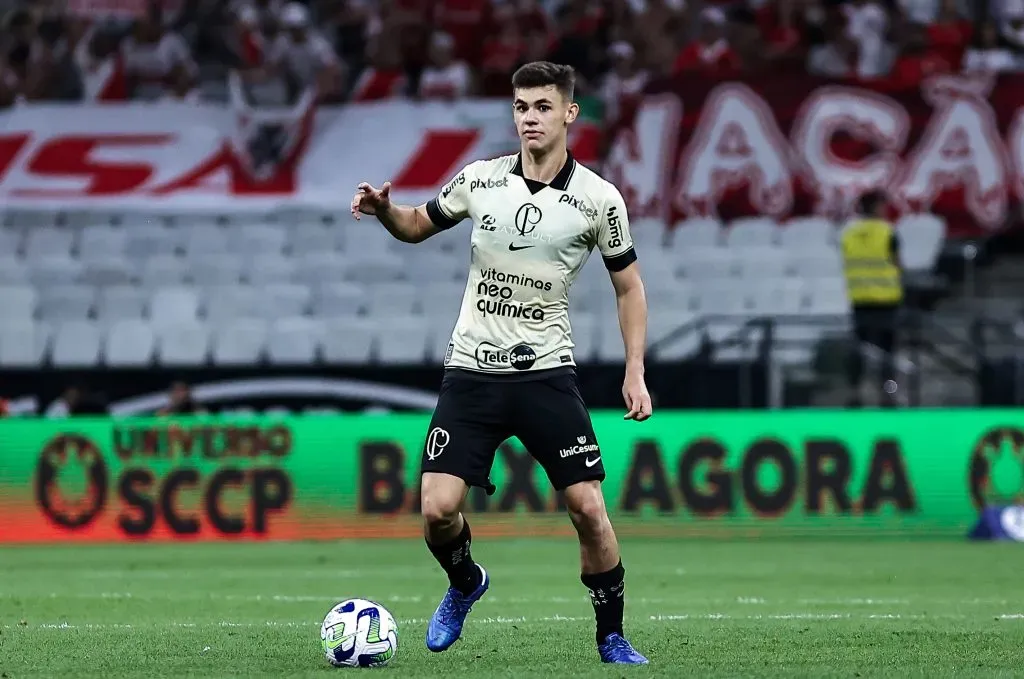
(681, 473)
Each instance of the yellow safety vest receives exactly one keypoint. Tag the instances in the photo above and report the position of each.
(871, 275)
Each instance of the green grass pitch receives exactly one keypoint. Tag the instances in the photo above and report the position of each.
(698, 608)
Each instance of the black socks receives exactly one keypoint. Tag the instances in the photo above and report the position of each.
(456, 561)
(606, 593)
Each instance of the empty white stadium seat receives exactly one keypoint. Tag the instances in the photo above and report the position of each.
(752, 232)
(818, 264)
(215, 269)
(49, 242)
(269, 268)
(129, 343)
(173, 305)
(109, 270)
(65, 302)
(225, 302)
(163, 270)
(12, 269)
(672, 337)
(402, 339)
(294, 341)
(149, 240)
(921, 238)
(696, 233)
(707, 264)
(184, 343)
(374, 268)
(808, 233)
(240, 341)
(307, 238)
(584, 327)
(339, 299)
(100, 242)
(720, 300)
(206, 240)
(436, 266)
(778, 297)
(828, 297)
(284, 299)
(54, 269)
(257, 239)
(316, 268)
(349, 340)
(393, 299)
(118, 302)
(22, 343)
(762, 263)
(76, 344)
(17, 303)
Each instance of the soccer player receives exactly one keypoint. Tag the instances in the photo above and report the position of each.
(509, 368)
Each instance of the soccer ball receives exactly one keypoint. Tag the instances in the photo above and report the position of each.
(359, 633)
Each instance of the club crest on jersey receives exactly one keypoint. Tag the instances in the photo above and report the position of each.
(527, 218)
(520, 357)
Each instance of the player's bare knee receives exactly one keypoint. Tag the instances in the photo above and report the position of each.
(587, 509)
(440, 510)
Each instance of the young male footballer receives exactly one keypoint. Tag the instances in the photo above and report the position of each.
(509, 369)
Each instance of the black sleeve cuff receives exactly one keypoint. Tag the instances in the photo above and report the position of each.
(439, 218)
(620, 262)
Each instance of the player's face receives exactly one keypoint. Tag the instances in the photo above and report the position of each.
(542, 117)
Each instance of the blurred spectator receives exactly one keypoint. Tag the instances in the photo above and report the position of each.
(445, 77)
(624, 84)
(181, 401)
(781, 28)
(78, 400)
(501, 53)
(302, 55)
(950, 33)
(917, 60)
(100, 66)
(266, 12)
(246, 39)
(867, 24)
(710, 53)
(384, 77)
(466, 22)
(157, 62)
(986, 55)
(1011, 26)
(835, 57)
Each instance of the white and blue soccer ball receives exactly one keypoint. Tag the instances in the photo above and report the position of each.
(359, 633)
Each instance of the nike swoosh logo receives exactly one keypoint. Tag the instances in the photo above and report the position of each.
(513, 248)
(591, 463)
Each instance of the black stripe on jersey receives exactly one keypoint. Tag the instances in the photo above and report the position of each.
(620, 261)
(437, 216)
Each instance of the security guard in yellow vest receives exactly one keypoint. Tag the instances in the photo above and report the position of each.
(875, 287)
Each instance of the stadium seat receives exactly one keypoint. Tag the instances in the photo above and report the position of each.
(163, 270)
(239, 341)
(828, 297)
(256, 239)
(269, 268)
(129, 343)
(225, 302)
(54, 269)
(294, 341)
(184, 343)
(720, 300)
(808, 233)
(10, 242)
(118, 302)
(202, 239)
(921, 238)
(17, 303)
(752, 232)
(696, 233)
(307, 238)
(374, 268)
(12, 269)
(215, 269)
(173, 305)
(762, 263)
(584, 326)
(393, 299)
(402, 340)
(76, 344)
(109, 270)
(349, 340)
(23, 343)
(281, 300)
(101, 242)
(440, 336)
(707, 264)
(49, 242)
(339, 299)
(149, 240)
(436, 266)
(778, 297)
(66, 303)
(316, 268)
(816, 265)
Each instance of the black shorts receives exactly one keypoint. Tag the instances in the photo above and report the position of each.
(475, 415)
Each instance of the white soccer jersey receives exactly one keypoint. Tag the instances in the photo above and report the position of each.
(529, 242)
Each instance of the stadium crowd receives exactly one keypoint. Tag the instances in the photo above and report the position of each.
(359, 50)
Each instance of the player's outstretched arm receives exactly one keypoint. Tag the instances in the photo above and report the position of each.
(406, 223)
(631, 301)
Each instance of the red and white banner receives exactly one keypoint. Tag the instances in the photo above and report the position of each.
(799, 145)
(785, 147)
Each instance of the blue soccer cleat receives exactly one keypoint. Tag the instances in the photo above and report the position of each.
(616, 649)
(445, 626)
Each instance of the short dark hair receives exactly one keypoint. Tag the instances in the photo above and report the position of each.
(544, 73)
(871, 201)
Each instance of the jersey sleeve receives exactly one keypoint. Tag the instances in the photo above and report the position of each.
(613, 237)
(451, 205)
